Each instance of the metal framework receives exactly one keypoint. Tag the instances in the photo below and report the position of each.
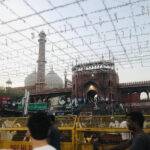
(78, 32)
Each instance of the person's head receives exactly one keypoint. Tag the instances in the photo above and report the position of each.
(135, 120)
(112, 118)
(38, 124)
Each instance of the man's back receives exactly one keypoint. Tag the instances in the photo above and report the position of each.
(45, 147)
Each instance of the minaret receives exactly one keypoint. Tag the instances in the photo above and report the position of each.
(41, 63)
(65, 78)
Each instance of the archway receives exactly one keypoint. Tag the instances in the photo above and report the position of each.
(91, 91)
(143, 96)
(91, 94)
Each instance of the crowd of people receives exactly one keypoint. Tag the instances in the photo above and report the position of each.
(68, 105)
(44, 134)
(99, 106)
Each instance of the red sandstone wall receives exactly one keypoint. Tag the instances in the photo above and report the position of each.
(106, 83)
(131, 98)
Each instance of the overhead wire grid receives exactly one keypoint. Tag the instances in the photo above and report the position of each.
(77, 31)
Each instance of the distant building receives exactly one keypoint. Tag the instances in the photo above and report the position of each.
(93, 82)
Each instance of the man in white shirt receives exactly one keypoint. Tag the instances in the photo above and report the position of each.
(39, 125)
(117, 124)
(125, 136)
(111, 125)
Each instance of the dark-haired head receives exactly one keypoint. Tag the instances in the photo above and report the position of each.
(38, 125)
(135, 119)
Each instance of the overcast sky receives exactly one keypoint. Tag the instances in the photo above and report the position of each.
(77, 31)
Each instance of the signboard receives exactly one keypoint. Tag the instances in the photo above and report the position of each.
(34, 106)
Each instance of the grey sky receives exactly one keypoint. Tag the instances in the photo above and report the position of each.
(81, 30)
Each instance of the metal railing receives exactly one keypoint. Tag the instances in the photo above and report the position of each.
(77, 133)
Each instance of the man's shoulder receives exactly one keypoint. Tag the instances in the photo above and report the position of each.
(123, 124)
(46, 147)
(142, 139)
(143, 136)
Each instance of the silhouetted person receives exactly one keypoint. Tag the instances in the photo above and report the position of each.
(54, 133)
(96, 141)
(38, 125)
(140, 140)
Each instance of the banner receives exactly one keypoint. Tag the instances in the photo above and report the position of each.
(26, 102)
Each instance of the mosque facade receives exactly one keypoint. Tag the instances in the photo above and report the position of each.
(38, 79)
(90, 81)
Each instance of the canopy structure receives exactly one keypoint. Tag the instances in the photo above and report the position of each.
(77, 31)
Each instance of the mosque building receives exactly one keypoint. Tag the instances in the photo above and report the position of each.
(38, 79)
(92, 82)
(64, 56)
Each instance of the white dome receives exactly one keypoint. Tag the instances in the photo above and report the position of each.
(30, 80)
(53, 80)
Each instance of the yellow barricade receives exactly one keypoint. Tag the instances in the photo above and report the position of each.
(101, 132)
(77, 133)
(15, 145)
(12, 136)
(66, 126)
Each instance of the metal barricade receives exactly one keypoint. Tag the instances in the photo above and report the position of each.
(12, 122)
(84, 132)
(13, 132)
(66, 126)
(101, 132)
(13, 138)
